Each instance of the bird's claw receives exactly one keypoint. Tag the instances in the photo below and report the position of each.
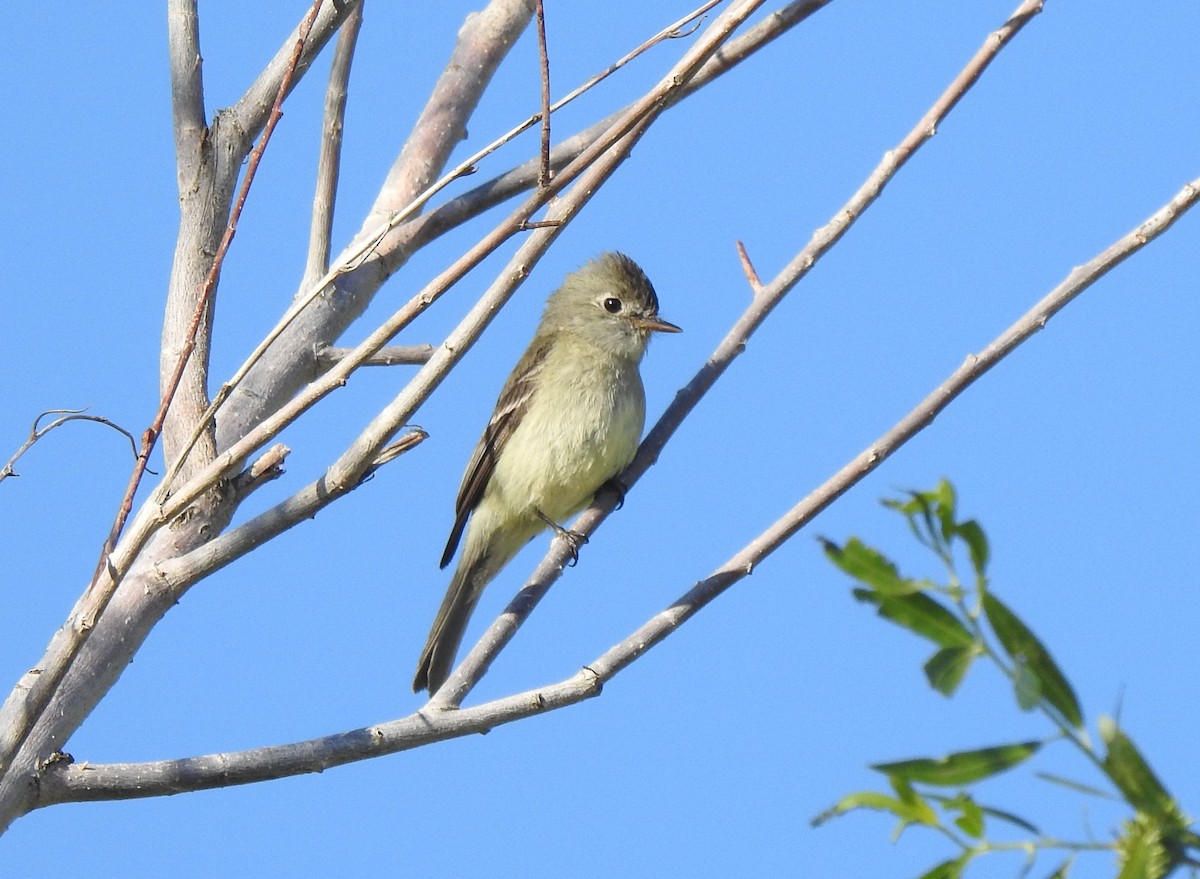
(573, 538)
(618, 488)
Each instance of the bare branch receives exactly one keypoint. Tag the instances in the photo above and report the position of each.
(63, 781)
(268, 467)
(282, 73)
(330, 159)
(209, 162)
(544, 59)
(389, 355)
(475, 665)
(228, 547)
(391, 452)
(214, 272)
(187, 88)
(36, 432)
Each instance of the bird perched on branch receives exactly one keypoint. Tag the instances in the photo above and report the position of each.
(568, 420)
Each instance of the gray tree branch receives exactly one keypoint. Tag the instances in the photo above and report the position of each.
(249, 115)
(483, 42)
(330, 159)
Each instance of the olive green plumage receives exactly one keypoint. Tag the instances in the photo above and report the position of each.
(569, 419)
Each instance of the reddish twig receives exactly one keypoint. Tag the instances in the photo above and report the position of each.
(151, 434)
(544, 58)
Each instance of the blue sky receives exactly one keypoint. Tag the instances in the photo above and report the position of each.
(710, 755)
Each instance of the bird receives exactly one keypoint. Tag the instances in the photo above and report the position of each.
(568, 420)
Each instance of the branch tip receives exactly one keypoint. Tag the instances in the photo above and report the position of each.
(406, 443)
(748, 268)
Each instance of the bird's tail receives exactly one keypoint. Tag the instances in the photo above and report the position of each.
(446, 635)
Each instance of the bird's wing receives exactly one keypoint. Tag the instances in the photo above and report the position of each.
(514, 399)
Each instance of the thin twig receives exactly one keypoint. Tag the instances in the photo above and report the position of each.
(475, 665)
(748, 269)
(544, 59)
(283, 71)
(330, 159)
(36, 432)
(268, 467)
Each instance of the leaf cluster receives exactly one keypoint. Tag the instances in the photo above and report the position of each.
(966, 622)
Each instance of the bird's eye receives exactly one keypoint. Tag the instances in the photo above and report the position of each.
(612, 305)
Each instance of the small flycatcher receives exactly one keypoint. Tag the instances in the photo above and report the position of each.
(568, 420)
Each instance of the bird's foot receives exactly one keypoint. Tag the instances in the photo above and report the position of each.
(573, 538)
(618, 488)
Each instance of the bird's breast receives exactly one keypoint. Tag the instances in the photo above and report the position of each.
(581, 428)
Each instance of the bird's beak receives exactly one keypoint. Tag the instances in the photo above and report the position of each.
(656, 325)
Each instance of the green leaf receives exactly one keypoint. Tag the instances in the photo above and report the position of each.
(946, 669)
(1029, 654)
(962, 767)
(860, 800)
(919, 810)
(1141, 850)
(947, 869)
(945, 506)
(1015, 820)
(868, 566)
(912, 810)
(1071, 784)
(1129, 771)
(970, 819)
(977, 544)
(930, 515)
(921, 614)
(1027, 687)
